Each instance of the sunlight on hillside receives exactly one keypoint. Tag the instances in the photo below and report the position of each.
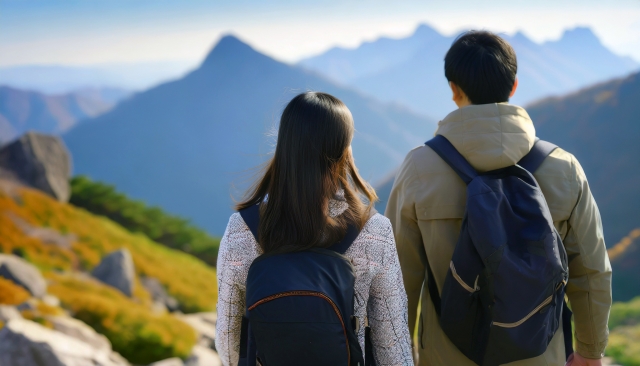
(623, 245)
(186, 278)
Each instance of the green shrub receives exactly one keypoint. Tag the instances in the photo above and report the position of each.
(138, 334)
(624, 345)
(172, 231)
(625, 313)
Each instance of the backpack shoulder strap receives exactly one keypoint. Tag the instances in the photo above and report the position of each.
(343, 245)
(451, 156)
(251, 217)
(540, 150)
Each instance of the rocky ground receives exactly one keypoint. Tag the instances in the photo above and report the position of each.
(65, 341)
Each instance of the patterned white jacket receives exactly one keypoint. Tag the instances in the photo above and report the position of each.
(380, 296)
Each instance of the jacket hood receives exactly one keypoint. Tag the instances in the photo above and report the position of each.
(489, 136)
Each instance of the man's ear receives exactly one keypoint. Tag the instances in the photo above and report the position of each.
(455, 91)
(513, 90)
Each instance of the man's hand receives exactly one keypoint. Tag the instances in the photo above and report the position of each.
(576, 360)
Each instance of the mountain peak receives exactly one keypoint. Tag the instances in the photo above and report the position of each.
(520, 38)
(425, 32)
(229, 47)
(580, 35)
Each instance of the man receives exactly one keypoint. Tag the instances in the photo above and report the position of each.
(428, 198)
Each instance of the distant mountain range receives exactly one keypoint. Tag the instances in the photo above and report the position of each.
(57, 79)
(183, 144)
(411, 70)
(22, 110)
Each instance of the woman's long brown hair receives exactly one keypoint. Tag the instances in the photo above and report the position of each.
(312, 162)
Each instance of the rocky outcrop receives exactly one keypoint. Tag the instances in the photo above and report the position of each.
(76, 329)
(116, 270)
(44, 234)
(22, 273)
(204, 325)
(38, 161)
(8, 313)
(175, 361)
(159, 294)
(26, 343)
(203, 356)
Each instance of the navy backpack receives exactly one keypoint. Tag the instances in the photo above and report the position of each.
(503, 296)
(300, 307)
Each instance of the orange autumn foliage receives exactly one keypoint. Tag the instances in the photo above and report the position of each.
(12, 294)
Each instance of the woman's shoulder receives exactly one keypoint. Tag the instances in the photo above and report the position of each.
(377, 233)
(238, 236)
(378, 224)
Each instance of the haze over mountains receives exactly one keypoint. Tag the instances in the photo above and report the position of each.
(183, 144)
(411, 70)
(22, 110)
(59, 79)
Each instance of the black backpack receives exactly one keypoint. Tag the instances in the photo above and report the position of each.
(503, 296)
(300, 307)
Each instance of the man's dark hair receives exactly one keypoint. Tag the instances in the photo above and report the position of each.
(483, 65)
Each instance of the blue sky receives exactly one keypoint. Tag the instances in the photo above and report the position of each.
(85, 32)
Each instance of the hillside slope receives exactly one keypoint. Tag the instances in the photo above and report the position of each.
(599, 125)
(625, 261)
(56, 236)
(190, 144)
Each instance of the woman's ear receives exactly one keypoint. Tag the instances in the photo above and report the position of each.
(513, 90)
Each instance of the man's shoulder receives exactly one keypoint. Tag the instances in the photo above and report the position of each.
(559, 164)
(426, 161)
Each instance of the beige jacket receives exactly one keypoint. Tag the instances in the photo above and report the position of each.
(427, 204)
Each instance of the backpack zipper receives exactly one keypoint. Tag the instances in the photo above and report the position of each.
(461, 282)
(309, 293)
(546, 302)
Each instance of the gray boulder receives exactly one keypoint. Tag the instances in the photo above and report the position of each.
(23, 273)
(38, 161)
(26, 343)
(116, 270)
(159, 294)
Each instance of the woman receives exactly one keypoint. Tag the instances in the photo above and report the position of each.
(310, 193)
